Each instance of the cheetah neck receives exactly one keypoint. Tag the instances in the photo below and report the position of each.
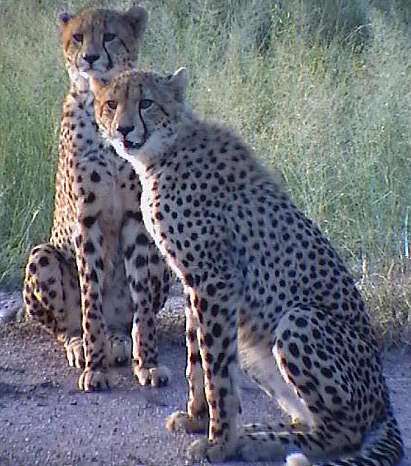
(149, 160)
(78, 83)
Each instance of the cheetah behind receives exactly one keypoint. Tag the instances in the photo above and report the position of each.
(99, 260)
(263, 286)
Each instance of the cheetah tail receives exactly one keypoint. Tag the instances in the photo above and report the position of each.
(384, 448)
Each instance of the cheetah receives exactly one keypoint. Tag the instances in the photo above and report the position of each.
(99, 261)
(264, 288)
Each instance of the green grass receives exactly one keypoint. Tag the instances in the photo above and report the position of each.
(324, 97)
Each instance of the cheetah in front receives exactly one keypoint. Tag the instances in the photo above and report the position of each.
(99, 261)
(264, 287)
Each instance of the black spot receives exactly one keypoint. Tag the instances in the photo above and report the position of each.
(99, 264)
(89, 221)
(129, 251)
(43, 261)
(322, 355)
(301, 322)
(307, 362)
(223, 392)
(90, 198)
(286, 335)
(154, 259)
(294, 350)
(211, 290)
(89, 247)
(95, 177)
(330, 390)
(189, 279)
(316, 334)
(295, 371)
(326, 372)
(93, 276)
(216, 331)
(208, 339)
(142, 240)
(203, 305)
(140, 261)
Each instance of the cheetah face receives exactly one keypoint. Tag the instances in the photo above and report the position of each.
(101, 43)
(140, 112)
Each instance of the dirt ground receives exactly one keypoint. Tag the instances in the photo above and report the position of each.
(45, 420)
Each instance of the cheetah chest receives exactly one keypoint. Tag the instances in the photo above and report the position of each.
(147, 209)
(152, 222)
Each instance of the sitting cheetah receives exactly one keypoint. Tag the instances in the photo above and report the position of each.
(99, 260)
(263, 286)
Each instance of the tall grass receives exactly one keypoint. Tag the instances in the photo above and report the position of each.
(321, 90)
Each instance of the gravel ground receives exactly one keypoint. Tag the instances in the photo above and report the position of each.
(44, 420)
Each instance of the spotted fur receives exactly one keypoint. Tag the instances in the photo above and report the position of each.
(100, 267)
(264, 287)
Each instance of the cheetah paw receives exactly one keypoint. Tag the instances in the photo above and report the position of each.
(213, 452)
(119, 350)
(182, 421)
(75, 352)
(154, 376)
(93, 380)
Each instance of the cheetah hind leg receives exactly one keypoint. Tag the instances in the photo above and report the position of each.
(297, 389)
(258, 363)
(52, 298)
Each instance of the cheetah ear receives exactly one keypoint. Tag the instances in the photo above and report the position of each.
(137, 16)
(64, 17)
(178, 82)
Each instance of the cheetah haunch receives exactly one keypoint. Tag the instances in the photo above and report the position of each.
(263, 286)
(100, 266)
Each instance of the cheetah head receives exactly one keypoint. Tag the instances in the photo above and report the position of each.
(101, 43)
(140, 112)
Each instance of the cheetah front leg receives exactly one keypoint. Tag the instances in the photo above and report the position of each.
(89, 242)
(148, 278)
(196, 419)
(216, 312)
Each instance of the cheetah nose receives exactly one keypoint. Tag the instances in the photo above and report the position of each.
(124, 130)
(90, 59)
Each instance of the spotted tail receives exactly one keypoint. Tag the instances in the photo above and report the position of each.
(384, 449)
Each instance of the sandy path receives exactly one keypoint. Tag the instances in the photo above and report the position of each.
(44, 420)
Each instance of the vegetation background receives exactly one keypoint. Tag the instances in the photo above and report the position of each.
(320, 88)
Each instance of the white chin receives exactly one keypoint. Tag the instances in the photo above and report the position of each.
(91, 72)
(120, 149)
(84, 75)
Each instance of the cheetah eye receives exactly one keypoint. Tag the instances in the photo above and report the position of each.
(145, 103)
(112, 104)
(108, 37)
(78, 37)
